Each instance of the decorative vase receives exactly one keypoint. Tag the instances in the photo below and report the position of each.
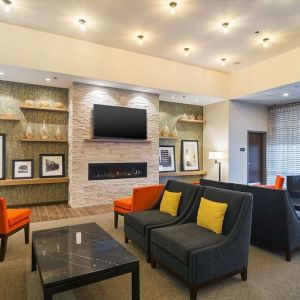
(44, 131)
(199, 117)
(29, 103)
(44, 104)
(174, 133)
(165, 131)
(29, 132)
(58, 134)
(58, 105)
(191, 117)
(184, 116)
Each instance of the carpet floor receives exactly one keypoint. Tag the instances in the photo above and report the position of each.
(269, 275)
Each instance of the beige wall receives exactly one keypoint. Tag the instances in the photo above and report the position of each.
(216, 137)
(243, 117)
(83, 192)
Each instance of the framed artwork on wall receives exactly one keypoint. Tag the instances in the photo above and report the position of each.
(52, 165)
(22, 168)
(167, 159)
(2, 156)
(189, 155)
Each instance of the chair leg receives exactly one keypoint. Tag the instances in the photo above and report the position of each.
(288, 255)
(116, 219)
(193, 292)
(4, 239)
(148, 257)
(153, 263)
(126, 239)
(244, 274)
(26, 230)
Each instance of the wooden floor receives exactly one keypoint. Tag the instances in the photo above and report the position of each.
(64, 211)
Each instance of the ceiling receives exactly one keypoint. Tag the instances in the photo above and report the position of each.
(196, 24)
(24, 75)
(280, 95)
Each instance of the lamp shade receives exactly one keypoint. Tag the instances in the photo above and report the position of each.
(216, 155)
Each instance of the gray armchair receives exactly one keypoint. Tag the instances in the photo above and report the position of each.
(200, 256)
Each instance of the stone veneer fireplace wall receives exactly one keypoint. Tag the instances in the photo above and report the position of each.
(83, 192)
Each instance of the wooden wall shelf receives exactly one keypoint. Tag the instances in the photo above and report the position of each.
(116, 141)
(183, 173)
(33, 181)
(43, 108)
(168, 138)
(6, 118)
(42, 141)
(191, 121)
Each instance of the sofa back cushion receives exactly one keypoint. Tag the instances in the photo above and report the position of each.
(269, 221)
(293, 185)
(217, 184)
(234, 201)
(170, 202)
(188, 194)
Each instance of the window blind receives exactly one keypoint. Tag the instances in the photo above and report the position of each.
(283, 141)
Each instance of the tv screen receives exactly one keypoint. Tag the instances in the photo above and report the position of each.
(119, 122)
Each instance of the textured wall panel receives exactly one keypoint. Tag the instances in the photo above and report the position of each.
(84, 192)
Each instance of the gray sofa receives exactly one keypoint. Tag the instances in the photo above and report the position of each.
(138, 225)
(200, 256)
(275, 221)
(293, 187)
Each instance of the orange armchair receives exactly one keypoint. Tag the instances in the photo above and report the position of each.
(11, 221)
(142, 198)
(278, 185)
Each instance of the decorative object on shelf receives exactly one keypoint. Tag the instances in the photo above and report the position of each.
(167, 159)
(191, 117)
(28, 132)
(44, 104)
(58, 105)
(2, 156)
(165, 131)
(174, 133)
(22, 168)
(189, 155)
(184, 116)
(29, 102)
(52, 165)
(44, 131)
(217, 156)
(199, 118)
(58, 134)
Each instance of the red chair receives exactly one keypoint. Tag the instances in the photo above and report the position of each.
(11, 221)
(279, 181)
(142, 198)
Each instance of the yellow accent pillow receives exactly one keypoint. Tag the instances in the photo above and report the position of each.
(170, 202)
(211, 215)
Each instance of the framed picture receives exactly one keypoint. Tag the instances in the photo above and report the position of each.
(52, 165)
(22, 168)
(2, 156)
(189, 155)
(167, 159)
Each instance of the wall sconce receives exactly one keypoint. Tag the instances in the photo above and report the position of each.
(217, 156)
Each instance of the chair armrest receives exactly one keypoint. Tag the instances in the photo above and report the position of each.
(4, 228)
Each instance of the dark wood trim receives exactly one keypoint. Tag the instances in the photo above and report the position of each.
(37, 204)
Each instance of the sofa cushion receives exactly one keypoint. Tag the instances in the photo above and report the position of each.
(140, 220)
(180, 240)
(17, 215)
(124, 203)
(170, 202)
(217, 184)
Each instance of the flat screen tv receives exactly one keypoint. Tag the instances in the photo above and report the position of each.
(117, 122)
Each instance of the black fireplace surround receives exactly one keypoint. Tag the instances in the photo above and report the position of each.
(103, 171)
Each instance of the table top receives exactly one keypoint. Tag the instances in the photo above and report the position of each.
(60, 256)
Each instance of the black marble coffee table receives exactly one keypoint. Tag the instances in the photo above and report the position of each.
(65, 264)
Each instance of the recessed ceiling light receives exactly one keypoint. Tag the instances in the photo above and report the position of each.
(7, 5)
(285, 94)
(1, 73)
(183, 96)
(140, 38)
(223, 61)
(48, 79)
(187, 51)
(266, 42)
(173, 6)
(197, 101)
(225, 27)
(55, 78)
(173, 97)
(82, 23)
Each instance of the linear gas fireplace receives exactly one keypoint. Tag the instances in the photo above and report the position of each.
(105, 171)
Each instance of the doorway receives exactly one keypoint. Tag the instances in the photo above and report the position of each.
(256, 157)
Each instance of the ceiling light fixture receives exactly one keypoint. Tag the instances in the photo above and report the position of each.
(225, 27)
(173, 97)
(48, 79)
(7, 4)
(266, 42)
(82, 23)
(173, 6)
(285, 94)
(223, 61)
(1, 73)
(140, 38)
(187, 51)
